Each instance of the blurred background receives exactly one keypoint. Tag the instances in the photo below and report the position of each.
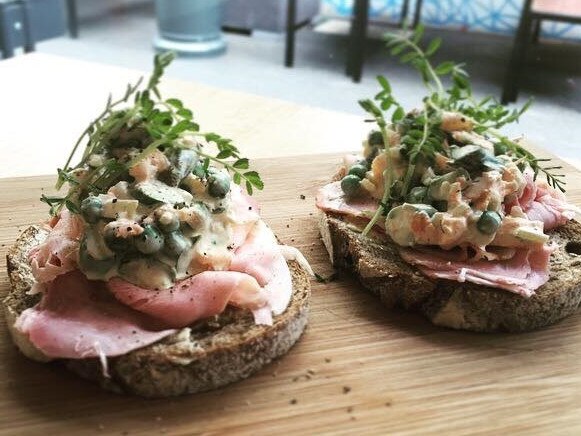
(326, 53)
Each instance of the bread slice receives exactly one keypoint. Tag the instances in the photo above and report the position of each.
(466, 306)
(204, 356)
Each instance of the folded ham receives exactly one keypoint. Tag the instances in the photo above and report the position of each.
(78, 319)
(526, 271)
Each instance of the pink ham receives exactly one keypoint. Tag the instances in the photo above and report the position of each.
(78, 318)
(525, 272)
(541, 202)
(331, 198)
(260, 256)
(58, 253)
(197, 297)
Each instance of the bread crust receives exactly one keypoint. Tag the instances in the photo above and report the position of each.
(465, 306)
(207, 355)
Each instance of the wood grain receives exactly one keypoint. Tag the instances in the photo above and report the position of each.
(358, 368)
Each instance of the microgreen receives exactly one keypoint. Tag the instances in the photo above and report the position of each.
(420, 133)
(160, 124)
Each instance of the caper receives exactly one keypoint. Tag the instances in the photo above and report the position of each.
(92, 209)
(167, 220)
(489, 222)
(218, 184)
(150, 241)
(440, 205)
(417, 194)
(351, 185)
(358, 170)
(375, 138)
(176, 243)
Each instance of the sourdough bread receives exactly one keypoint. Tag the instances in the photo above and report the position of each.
(207, 355)
(465, 306)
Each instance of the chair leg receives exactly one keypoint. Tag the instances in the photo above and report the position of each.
(510, 89)
(356, 54)
(28, 36)
(536, 30)
(291, 15)
(404, 12)
(73, 19)
(417, 13)
(6, 43)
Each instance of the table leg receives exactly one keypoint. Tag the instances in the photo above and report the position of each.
(27, 28)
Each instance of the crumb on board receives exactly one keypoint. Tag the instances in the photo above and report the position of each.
(346, 389)
(302, 196)
(327, 360)
(293, 401)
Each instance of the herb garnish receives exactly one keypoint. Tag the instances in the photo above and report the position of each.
(420, 132)
(155, 124)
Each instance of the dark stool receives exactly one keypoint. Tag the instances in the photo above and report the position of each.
(15, 27)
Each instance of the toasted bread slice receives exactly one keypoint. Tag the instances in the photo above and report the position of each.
(204, 356)
(465, 306)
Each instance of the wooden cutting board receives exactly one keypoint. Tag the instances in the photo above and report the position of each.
(357, 369)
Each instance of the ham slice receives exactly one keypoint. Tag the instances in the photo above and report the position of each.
(78, 319)
(525, 272)
(58, 253)
(541, 202)
(197, 297)
(331, 198)
(261, 257)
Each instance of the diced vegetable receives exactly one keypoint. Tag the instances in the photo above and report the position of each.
(182, 163)
(94, 269)
(158, 192)
(531, 235)
(176, 243)
(147, 273)
(167, 220)
(218, 184)
(113, 209)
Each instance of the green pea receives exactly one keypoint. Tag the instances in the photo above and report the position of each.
(417, 194)
(351, 185)
(358, 170)
(218, 184)
(176, 243)
(150, 241)
(489, 222)
(92, 209)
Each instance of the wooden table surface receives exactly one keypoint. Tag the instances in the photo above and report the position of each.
(358, 368)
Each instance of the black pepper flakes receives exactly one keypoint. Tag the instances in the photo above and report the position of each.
(114, 200)
(302, 197)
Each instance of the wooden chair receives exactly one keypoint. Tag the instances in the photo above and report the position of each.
(358, 34)
(533, 14)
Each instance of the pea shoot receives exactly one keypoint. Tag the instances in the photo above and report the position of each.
(420, 132)
(143, 119)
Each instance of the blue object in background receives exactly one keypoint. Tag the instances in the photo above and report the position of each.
(496, 16)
